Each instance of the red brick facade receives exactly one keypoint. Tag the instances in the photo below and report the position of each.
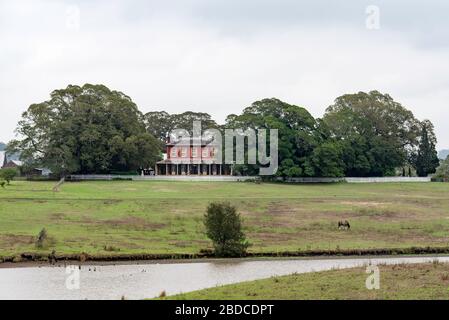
(189, 157)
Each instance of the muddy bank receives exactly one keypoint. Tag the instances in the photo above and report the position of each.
(38, 258)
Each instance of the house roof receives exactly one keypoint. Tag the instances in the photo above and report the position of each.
(188, 161)
(17, 162)
(44, 171)
(183, 141)
(2, 158)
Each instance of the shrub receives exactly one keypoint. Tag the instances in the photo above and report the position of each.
(442, 173)
(41, 238)
(224, 227)
(8, 174)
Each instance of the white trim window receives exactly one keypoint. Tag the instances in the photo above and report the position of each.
(184, 152)
(194, 152)
(205, 153)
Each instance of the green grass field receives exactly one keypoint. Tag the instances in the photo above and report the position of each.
(397, 282)
(166, 217)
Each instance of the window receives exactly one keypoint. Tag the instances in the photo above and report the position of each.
(194, 152)
(184, 152)
(173, 153)
(205, 153)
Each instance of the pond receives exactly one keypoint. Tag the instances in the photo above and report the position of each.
(149, 279)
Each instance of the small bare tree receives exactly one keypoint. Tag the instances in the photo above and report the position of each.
(41, 238)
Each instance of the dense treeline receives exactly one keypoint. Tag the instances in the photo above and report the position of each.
(91, 129)
(363, 134)
(88, 129)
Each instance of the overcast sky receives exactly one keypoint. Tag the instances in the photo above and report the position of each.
(218, 56)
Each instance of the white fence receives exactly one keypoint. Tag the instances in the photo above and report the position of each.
(359, 180)
(312, 180)
(388, 179)
(79, 177)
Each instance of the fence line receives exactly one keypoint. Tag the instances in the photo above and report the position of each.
(359, 180)
(388, 179)
(108, 177)
(312, 180)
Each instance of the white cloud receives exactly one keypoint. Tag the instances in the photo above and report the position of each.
(177, 60)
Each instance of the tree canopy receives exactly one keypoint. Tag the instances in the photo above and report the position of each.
(88, 129)
(92, 129)
(298, 134)
(362, 134)
(160, 123)
(426, 158)
(376, 133)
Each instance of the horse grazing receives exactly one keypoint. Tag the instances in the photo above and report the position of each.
(344, 225)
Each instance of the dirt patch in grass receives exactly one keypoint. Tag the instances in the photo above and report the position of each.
(132, 222)
(186, 244)
(10, 240)
(272, 237)
(111, 201)
(281, 209)
(364, 203)
(57, 216)
(377, 213)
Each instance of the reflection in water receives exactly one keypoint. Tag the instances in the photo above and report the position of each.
(141, 281)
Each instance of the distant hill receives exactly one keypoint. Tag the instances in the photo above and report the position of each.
(2, 146)
(443, 154)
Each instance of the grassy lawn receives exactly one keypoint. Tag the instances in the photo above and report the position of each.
(166, 217)
(397, 282)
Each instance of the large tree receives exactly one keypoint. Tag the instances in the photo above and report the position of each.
(377, 133)
(161, 123)
(88, 129)
(327, 160)
(298, 135)
(426, 159)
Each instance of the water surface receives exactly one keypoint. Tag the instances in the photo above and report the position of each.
(148, 280)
